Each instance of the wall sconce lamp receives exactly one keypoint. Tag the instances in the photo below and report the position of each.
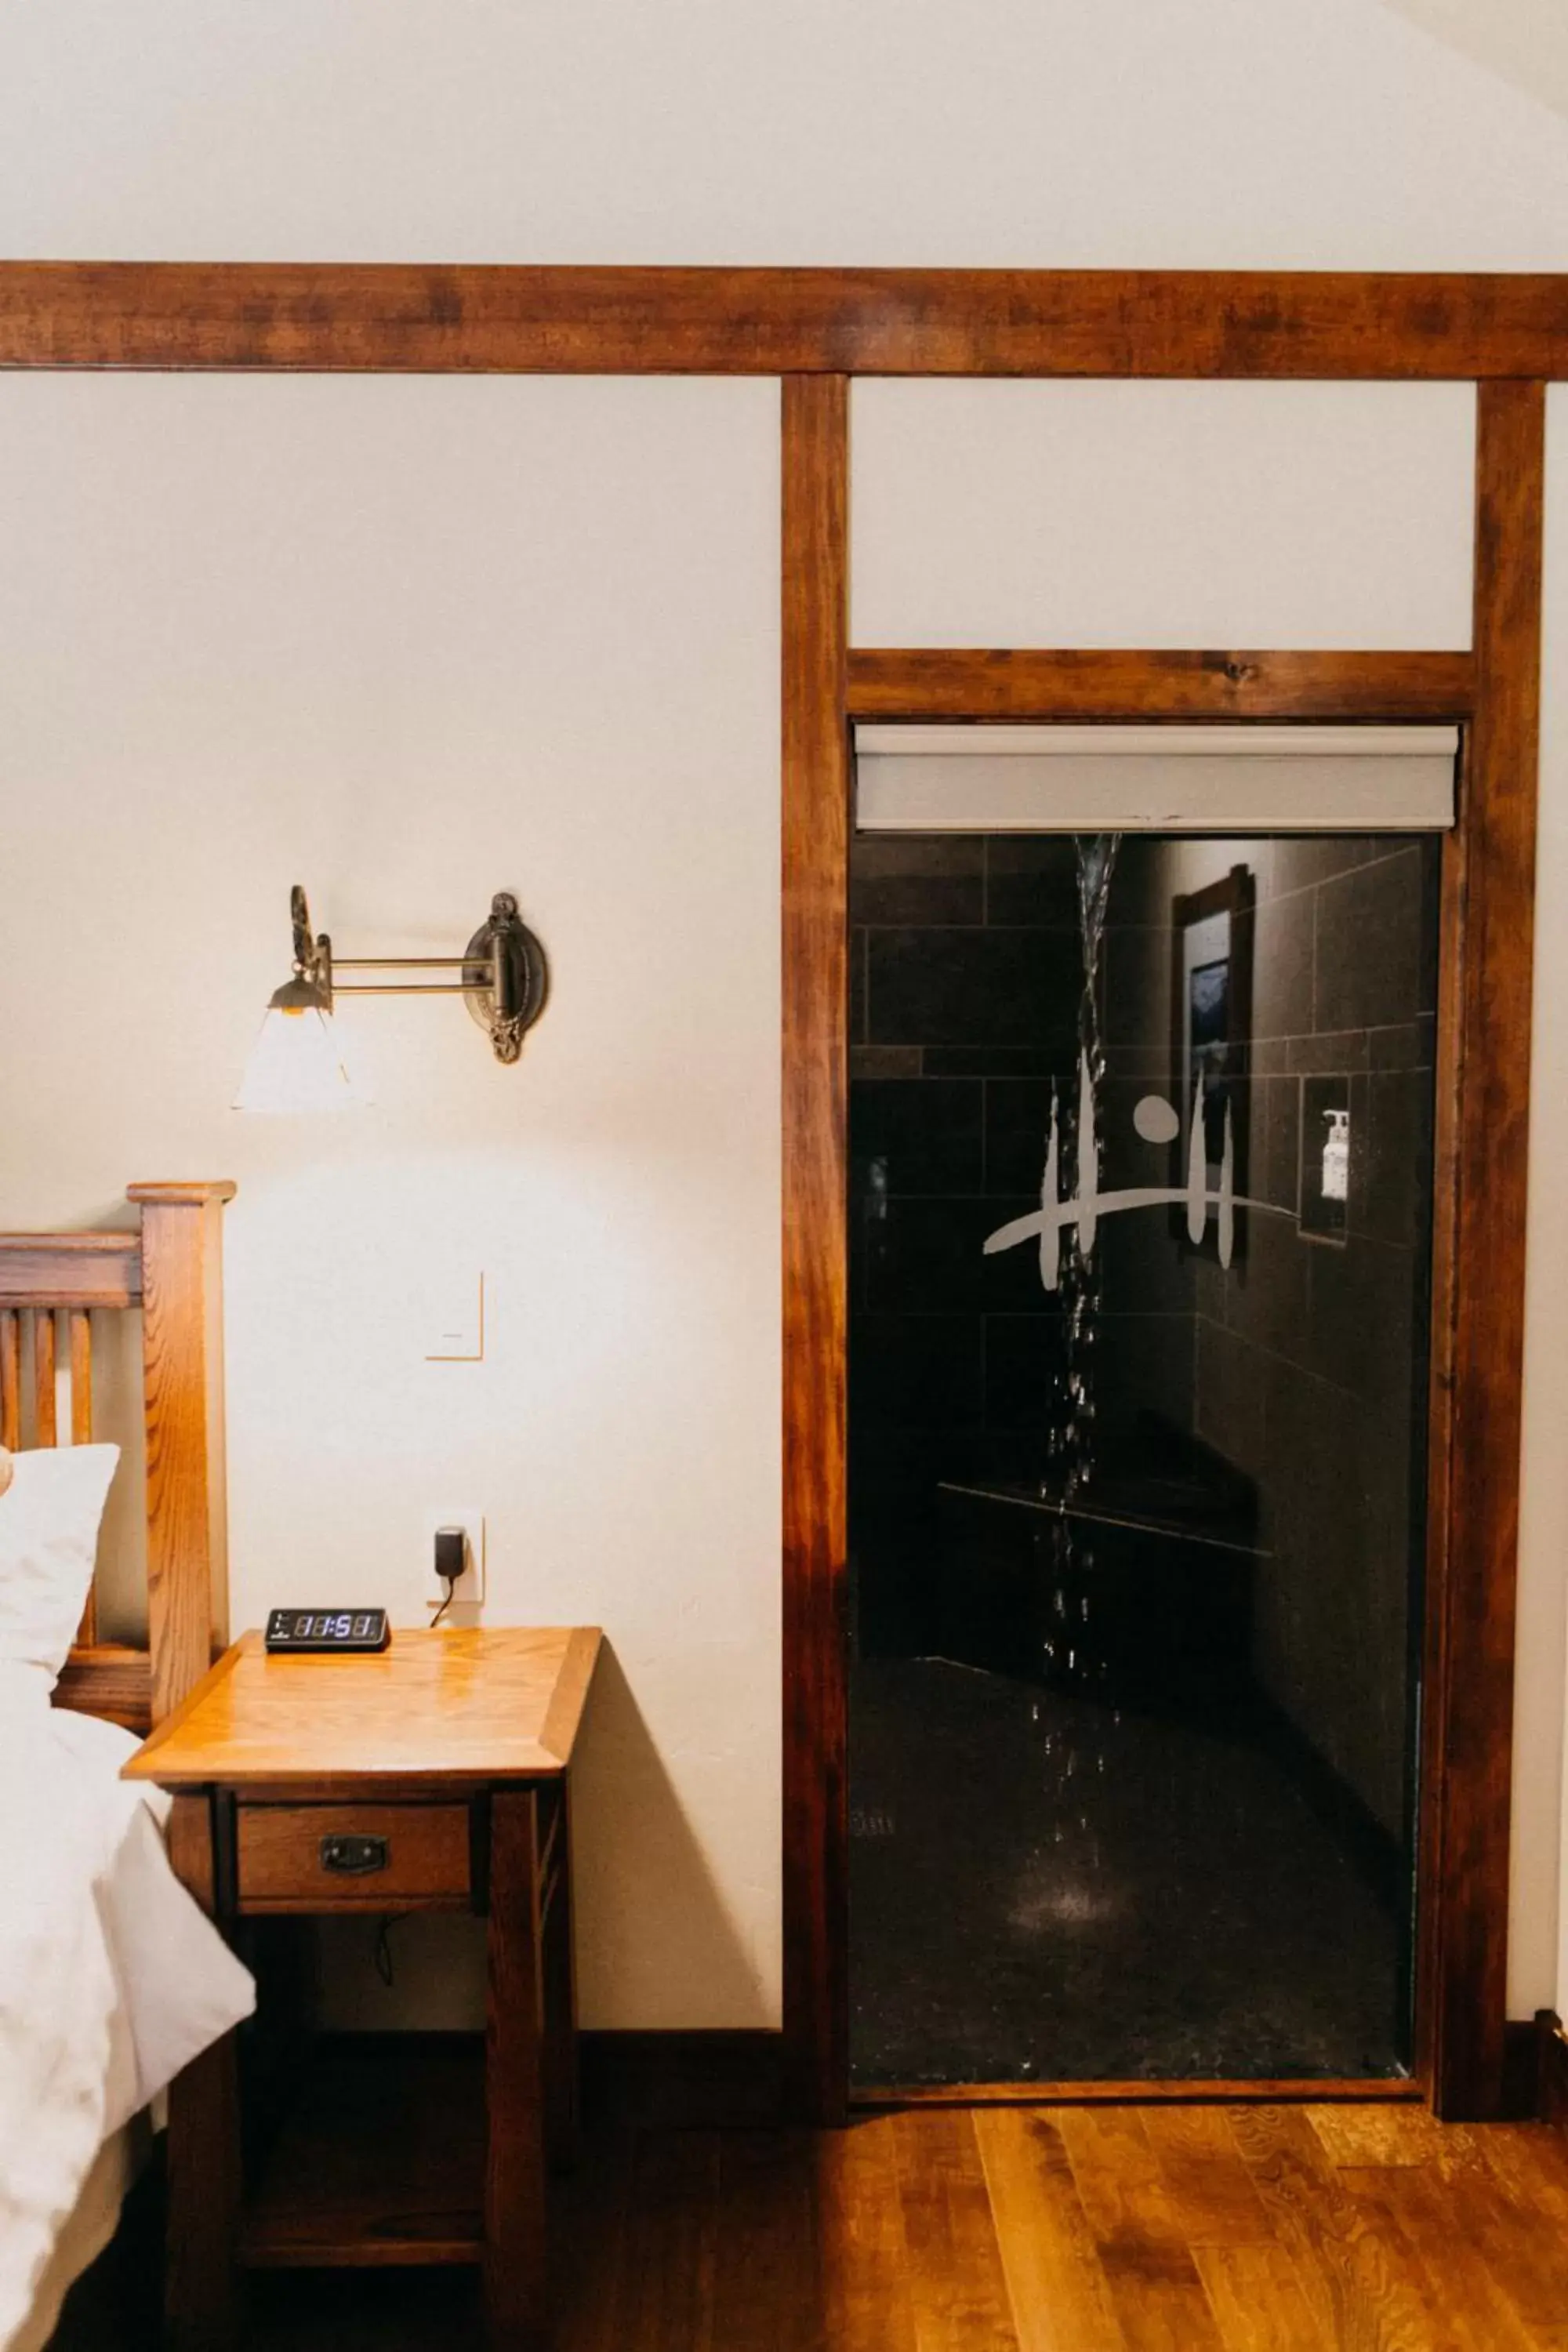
(296, 1063)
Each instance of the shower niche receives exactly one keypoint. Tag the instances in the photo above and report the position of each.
(1140, 1195)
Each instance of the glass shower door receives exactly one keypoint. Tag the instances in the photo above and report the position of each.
(1140, 1146)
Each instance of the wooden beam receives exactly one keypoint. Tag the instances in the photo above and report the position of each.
(934, 684)
(1484, 1073)
(571, 321)
(816, 1039)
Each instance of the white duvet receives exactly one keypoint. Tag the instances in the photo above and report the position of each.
(111, 1979)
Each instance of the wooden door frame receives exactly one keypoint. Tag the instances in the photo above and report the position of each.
(817, 329)
(1482, 1110)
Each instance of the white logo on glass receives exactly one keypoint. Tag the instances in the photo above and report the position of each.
(1156, 1122)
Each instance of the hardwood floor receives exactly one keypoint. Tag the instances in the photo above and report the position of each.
(1242, 2229)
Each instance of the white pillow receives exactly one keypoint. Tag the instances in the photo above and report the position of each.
(50, 1516)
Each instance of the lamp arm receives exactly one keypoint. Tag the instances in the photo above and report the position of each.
(501, 973)
(400, 963)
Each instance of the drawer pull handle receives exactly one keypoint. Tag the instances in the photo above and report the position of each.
(354, 1857)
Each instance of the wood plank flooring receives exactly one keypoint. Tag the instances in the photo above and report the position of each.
(1109, 2229)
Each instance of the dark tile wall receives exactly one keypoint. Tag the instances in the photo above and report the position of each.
(1302, 1365)
(965, 966)
(1308, 1364)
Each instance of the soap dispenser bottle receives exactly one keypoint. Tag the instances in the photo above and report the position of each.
(1337, 1156)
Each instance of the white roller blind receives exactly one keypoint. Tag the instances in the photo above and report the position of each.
(1236, 779)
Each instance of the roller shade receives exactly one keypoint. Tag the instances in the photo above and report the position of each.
(1235, 779)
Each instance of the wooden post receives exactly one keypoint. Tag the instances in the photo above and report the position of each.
(816, 1043)
(559, 1963)
(1483, 1122)
(187, 1527)
(515, 2255)
(199, 2300)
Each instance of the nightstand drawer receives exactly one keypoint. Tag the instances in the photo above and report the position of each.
(352, 1857)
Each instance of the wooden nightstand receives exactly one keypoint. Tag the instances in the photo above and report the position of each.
(430, 1778)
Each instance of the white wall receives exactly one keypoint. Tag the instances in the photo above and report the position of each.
(1162, 514)
(410, 641)
(593, 639)
(1211, 133)
(1525, 41)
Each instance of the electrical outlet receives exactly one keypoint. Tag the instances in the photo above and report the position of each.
(470, 1590)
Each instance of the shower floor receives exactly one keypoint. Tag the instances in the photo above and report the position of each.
(1042, 1887)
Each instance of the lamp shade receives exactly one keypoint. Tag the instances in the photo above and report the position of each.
(296, 1063)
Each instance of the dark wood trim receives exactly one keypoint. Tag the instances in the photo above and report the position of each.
(916, 683)
(515, 2247)
(1305, 2089)
(202, 2139)
(1551, 2068)
(815, 1042)
(710, 2078)
(1432, 1638)
(626, 321)
(1484, 1069)
(1523, 2053)
(1481, 1108)
(118, 2301)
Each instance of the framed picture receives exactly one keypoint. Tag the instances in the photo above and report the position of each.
(1211, 1035)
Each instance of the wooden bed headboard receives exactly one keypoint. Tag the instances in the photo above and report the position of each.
(51, 1284)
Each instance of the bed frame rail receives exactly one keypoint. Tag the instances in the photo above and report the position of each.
(51, 1285)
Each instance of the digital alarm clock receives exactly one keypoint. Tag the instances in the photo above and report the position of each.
(327, 1629)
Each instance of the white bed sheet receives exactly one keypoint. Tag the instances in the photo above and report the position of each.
(87, 2228)
(111, 1979)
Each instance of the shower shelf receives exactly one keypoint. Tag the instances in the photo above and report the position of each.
(1197, 1499)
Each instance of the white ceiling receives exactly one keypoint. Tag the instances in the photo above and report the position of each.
(1524, 41)
(1284, 134)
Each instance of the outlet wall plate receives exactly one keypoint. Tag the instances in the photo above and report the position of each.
(471, 1592)
(452, 1306)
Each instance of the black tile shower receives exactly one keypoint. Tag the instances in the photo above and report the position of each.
(1133, 1785)
(1017, 1115)
(918, 878)
(919, 1371)
(1041, 1887)
(955, 986)
(1371, 941)
(1021, 1363)
(925, 1256)
(927, 1134)
(1031, 878)
(1000, 1061)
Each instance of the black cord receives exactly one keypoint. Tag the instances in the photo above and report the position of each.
(384, 1928)
(451, 1584)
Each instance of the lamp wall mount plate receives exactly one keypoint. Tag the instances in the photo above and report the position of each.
(501, 974)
